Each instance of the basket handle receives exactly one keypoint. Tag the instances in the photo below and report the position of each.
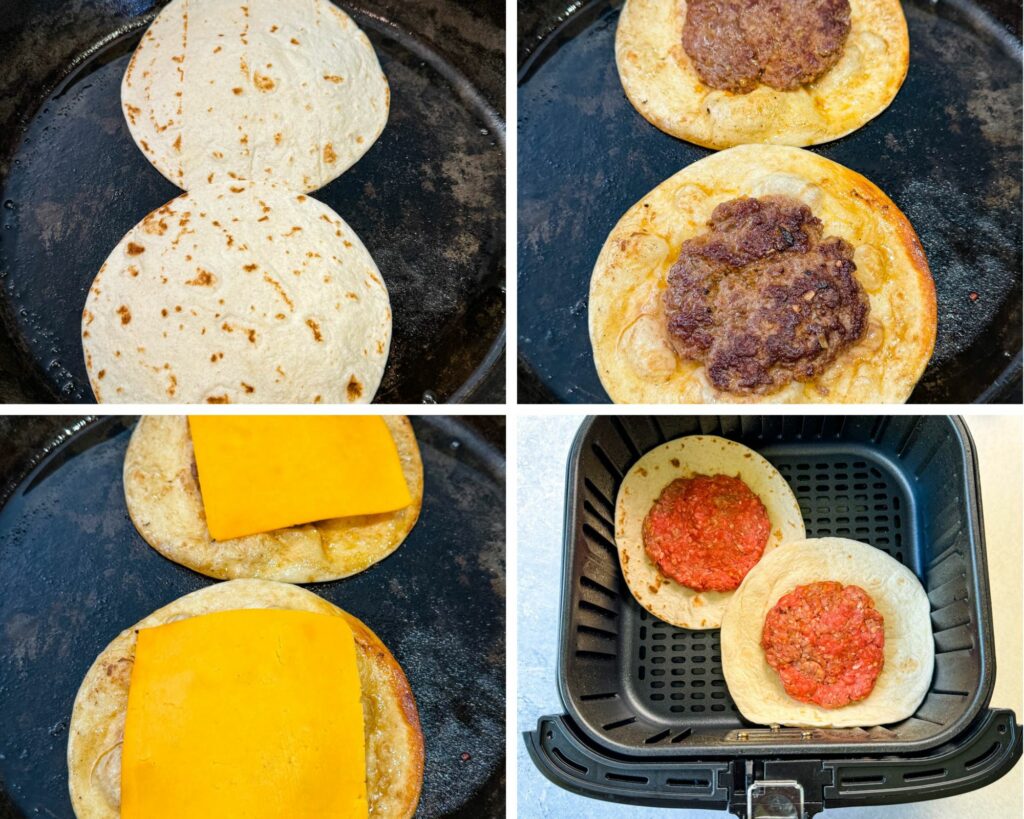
(982, 754)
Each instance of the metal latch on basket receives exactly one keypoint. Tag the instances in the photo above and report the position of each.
(775, 799)
(775, 733)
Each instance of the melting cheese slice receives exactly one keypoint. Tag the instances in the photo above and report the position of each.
(263, 472)
(253, 713)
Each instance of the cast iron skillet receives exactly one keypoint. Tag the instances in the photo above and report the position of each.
(427, 198)
(75, 573)
(947, 151)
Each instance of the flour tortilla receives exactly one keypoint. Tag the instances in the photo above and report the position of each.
(899, 597)
(238, 293)
(660, 81)
(164, 502)
(394, 741)
(628, 330)
(683, 458)
(257, 89)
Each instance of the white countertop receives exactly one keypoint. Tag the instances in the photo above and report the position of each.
(542, 450)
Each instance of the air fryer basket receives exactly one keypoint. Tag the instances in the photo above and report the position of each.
(647, 703)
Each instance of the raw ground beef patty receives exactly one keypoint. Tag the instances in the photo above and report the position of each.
(706, 532)
(826, 641)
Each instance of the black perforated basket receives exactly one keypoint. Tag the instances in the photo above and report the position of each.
(649, 716)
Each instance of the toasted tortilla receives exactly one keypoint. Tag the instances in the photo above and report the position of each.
(394, 741)
(899, 597)
(161, 489)
(683, 458)
(628, 329)
(660, 81)
(261, 90)
(238, 293)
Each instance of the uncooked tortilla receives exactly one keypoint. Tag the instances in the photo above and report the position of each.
(256, 90)
(238, 293)
(899, 597)
(683, 458)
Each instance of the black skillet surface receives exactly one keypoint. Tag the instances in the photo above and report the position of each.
(427, 198)
(75, 573)
(947, 151)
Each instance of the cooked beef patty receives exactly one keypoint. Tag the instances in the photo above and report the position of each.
(761, 298)
(737, 44)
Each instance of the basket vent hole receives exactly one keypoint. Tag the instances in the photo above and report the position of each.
(580, 769)
(864, 780)
(920, 776)
(656, 738)
(687, 783)
(978, 761)
(615, 777)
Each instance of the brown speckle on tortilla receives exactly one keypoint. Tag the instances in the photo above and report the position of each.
(330, 157)
(248, 387)
(134, 249)
(263, 82)
(315, 328)
(237, 92)
(354, 389)
(334, 78)
(125, 314)
(218, 399)
(204, 278)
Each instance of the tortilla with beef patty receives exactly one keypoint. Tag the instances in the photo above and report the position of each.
(629, 327)
(394, 741)
(683, 458)
(164, 501)
(238, 293)
(909, 652)
(257, 90)
(662, 81)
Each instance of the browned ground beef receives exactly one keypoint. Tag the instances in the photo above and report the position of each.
(737, 44)
(761, 298)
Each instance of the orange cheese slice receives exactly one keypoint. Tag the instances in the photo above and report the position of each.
(253, 713)
(263, 472)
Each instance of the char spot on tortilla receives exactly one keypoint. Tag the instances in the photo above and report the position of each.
(252, 336)
(237, 188)
(204, 278)
(330, 157)
(248, 387)
(331, 78)
(125, 314)
(316, 332)
(675, 462)
(236, 91)
(263, 82)
(354, 389)
(250, 267)
(101, 373)
(134, 249)
(293, 41)
(133, 271)
(218, 399)
(216, 357)
(177, 143)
